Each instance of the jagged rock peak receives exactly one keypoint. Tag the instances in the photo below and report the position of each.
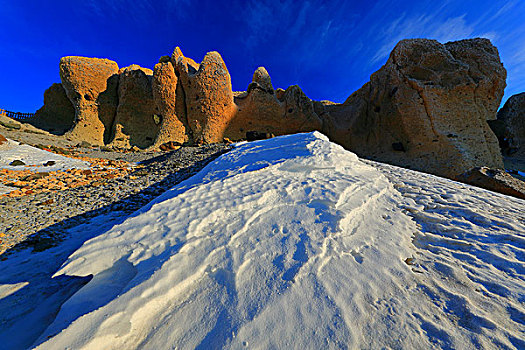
(177, 56)
(262, 78)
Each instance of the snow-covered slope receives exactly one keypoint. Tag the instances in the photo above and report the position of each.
(295, 243)
(35, 158)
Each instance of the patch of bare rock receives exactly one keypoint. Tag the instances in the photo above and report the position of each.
(496, 180)
(426, 109)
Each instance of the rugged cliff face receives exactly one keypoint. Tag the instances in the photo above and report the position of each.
(264, 110)
(134, 123)
(426, 108)
(510, 127)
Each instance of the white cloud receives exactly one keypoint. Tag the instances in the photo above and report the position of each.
(424, 26)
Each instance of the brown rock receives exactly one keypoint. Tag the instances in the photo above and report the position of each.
(494, 180)
(134, 123)
(190, 64)
(299, 113)
(510, 126)
(90, 85)
(426, 108)
(57, 115)
(263, 80)
(2, 139)
(209, 97)
(260, 110)
(169, 106)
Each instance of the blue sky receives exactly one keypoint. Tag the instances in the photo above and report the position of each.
(329, 48)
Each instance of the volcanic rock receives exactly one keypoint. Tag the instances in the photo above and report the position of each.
(426, 108)
(134, 123)
(57, 115)
(169, 104)
(91, 86)
(209, 97)
(510, 126)
(496, 180)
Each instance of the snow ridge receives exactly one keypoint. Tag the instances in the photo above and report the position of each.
(296, 243)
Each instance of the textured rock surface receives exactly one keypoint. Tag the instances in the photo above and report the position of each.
(169, 106)
(209, 97)
(260, 110)
(177, 58)
(495, 180)
(263, 80)
(510, 126)
(134, 123)
(90, 84)
(426, 108)
(3, 140)
(57, 115)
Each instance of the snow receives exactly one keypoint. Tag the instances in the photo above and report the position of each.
(291, 242)
(34, 158)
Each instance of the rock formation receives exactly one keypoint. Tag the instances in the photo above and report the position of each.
(169, 103)
(262, 110)
(93, 94)
(209, 97)
(426, 108)
(510, 126)
(57, 115)
(496, 180)
(134, 123)
(3, 140)
(189, 64)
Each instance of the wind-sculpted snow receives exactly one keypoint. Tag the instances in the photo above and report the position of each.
(295, 243)
(470, 254)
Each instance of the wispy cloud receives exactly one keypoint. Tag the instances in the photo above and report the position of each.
(424, 26)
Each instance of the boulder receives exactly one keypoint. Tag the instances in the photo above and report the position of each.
(91, 86)
(169, 105)
(3, 140)
(208, 96)
(426, 108)
(57, 115)
(496, 180)
(510, 126)
(261, 110)
(135, 124)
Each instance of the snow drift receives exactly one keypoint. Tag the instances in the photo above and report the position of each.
(296, 243)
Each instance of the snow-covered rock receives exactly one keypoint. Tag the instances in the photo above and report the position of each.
(293, 243)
